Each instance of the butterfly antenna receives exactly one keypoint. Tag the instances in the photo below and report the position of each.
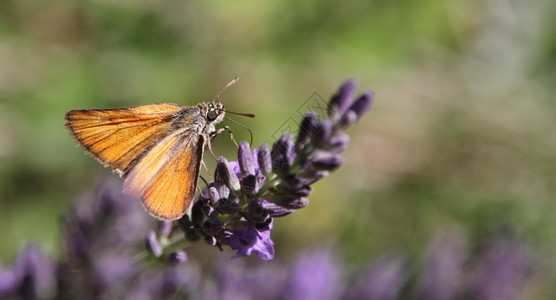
(236, 79)
(239, 124)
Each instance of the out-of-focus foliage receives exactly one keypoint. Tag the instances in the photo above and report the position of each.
(461, 133)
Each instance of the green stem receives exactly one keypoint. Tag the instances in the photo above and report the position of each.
(176, 245)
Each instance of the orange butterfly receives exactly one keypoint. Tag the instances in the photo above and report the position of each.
(158, 148)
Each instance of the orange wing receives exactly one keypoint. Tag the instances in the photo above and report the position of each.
(119, 137)
(166, 177)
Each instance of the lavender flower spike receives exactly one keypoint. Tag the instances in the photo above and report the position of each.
(238, 207)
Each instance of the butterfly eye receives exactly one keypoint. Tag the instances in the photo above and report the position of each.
(211, 115)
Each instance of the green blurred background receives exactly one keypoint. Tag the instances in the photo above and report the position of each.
(462, 133)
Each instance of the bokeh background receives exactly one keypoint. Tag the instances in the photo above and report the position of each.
(462, 133)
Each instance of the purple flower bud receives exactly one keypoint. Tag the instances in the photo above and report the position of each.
(324, 132)
(227, 175)
(249, 185)
(302, 191)
(152, 244)
(283, 154)
(264, 158)
(192, 234)
(255, 211)
(326, 161)
(276, 211)
(339, 143)
(311, 175)
(306, 130)
(209, 211)
(213, 195)
(229, 206)
(342, 99)
(197, 213)
(222, 189)
(348, 119)
(176, 258)
(165, 228)
(362, 104)
(186, 226)
(293, 182)
(289, 202)
(211, 226)
(184, 223)
(245, 159)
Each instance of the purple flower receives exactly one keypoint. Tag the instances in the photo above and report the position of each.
(237, 279)
(247, 238)
(271, 182)
(383, 280)
(315, 275)
(443, 268)
(502, 266)
(32, 276)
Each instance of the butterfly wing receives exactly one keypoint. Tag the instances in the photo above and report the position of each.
(120, 137)
(166, 177)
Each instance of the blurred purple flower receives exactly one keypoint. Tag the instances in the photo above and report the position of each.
(443, 267)
(237, 279)
(32, 276)
(383, 280)
(315, 275)
(500, 269)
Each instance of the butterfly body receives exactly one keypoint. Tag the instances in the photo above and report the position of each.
(157, 148)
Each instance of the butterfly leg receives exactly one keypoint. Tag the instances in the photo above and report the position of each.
(220, 130)
(209, 145)
(206, 169)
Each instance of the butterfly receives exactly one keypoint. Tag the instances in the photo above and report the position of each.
(157, 148)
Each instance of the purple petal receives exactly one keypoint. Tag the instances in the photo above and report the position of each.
(248, 238)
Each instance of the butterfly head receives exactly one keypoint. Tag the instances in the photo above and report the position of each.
(213, 112)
